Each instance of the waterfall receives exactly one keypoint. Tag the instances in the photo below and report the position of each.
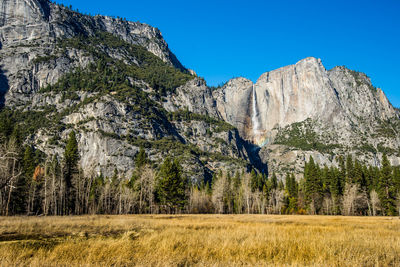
(254, 118)
(259, 135)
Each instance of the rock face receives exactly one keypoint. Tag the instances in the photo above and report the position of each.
(111, 124)
(195, 96)
(29, 30)
(288, 115)
(233, 103)
(341, 107)
(301, 91)
(295, 93)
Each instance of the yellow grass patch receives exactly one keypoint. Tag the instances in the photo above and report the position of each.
(216, 240)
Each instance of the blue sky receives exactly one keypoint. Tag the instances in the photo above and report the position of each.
(225, 39)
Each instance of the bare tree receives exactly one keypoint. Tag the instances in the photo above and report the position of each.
(10, 171)
(375, 202)
(328, 205)
(217, 197)
(146, 185)
(349, 198)
(354, 200)
(258, 202)
(199, 200)
(247, 194)
(276, 201)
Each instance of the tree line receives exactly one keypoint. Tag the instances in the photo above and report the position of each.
(32, 184)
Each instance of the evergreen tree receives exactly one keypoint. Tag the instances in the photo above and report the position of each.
(358, 174)
(71, 154)
(171, 185)
(273, 182)
(335, 185)
(341, 176)
(349, 169)
(326, 180)
(21, 197)
(281, 186)
(253, 181)
(396, 180)
(369, 177)
(386, 187)
(28, 161)
(141, 158)
(291, 185)
(291, 188)
(71, 158)
(261, 180)
(313, 185)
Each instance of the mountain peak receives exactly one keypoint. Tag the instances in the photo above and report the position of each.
(309, 60)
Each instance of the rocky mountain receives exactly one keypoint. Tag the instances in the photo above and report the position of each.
(116, 84)
(304, 109)
(119, 87)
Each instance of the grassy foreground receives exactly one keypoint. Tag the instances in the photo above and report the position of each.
(184, 240)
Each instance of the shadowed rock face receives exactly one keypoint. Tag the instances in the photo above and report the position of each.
(233, 104)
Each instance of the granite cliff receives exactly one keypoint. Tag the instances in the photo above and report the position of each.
(117, 84)
(304, 109)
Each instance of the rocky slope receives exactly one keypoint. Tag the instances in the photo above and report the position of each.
(119, 87)
(29, 31)
(108, 79)
(304, 109)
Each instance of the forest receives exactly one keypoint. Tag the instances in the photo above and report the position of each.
(33, 184)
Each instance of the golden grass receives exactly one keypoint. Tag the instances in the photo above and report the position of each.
(212, 240)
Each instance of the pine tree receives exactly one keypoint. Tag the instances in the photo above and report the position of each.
(291, 188)
(171, 185)
(290, 185)
(71, 158)
(313, 186)
(141, 158)
(273, 182)
(358, 174)
(28, 162)
(281, 186)
(71, 154)
(335, 182)
(349, 169)
(341, 176)
(253, 181)
(396, 180)
(326, 180)
(21, 197)
(386, 187)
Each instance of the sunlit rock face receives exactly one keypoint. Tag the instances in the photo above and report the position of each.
(29, 30)
(23, 12)
(295, 93)
(305, 90)
(280, 97)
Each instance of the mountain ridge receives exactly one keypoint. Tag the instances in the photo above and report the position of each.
(52, 60)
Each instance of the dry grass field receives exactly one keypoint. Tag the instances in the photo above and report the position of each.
(203, 240)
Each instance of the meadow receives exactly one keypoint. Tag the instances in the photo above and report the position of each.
(202, 240)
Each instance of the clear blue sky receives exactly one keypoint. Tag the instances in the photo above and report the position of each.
(225, 39)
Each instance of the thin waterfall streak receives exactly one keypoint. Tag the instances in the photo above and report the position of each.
(254, 118)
